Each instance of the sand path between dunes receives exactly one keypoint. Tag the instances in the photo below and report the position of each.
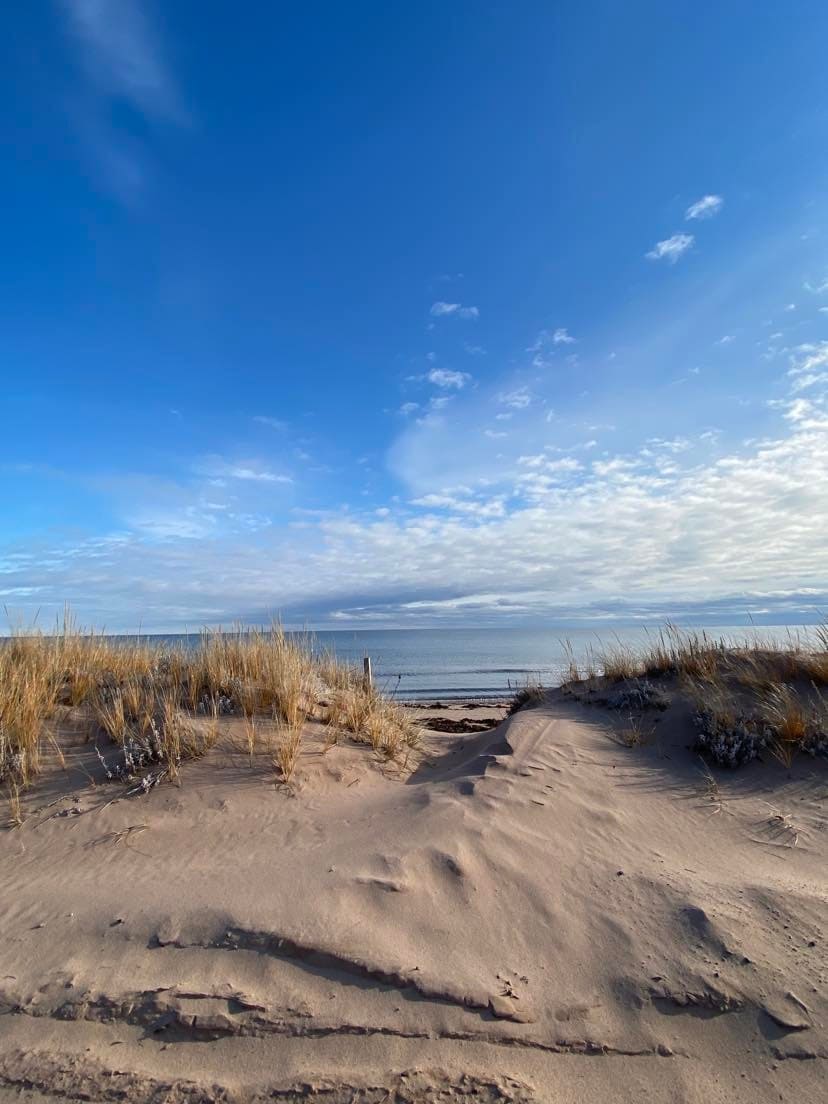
(538, 914)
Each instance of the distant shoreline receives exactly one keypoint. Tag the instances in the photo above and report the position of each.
(445, 702)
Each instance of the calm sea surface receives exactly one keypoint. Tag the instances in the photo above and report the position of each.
(485, 663)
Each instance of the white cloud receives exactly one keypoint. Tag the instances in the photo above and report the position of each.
(671, 248)
(273, 423)
(187, 524)
(543, 477)
(519, 399)
(444, 377)
(544, 463)
(409, 407)
(704, 208)
(441, 310)
(460, 502)
(220, 470)
(257, 476)
(726, 340)
(545, 345)
(817, 289)
(494, 434)
(543, 349)
(432, 416)
(809, 366)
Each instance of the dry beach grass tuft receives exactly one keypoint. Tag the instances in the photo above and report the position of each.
(746, 698)
(154, 707)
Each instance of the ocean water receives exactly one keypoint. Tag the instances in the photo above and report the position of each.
(443, 663)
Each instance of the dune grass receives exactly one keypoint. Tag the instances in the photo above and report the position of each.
(526, 696)
(147, 700)
(288, 750)
(29, 685)
(371, 718)
(696, 654)
(748, 698)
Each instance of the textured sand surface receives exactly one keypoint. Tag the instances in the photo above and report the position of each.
(536, 913)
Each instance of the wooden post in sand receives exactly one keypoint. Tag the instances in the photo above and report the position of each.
(367, 682)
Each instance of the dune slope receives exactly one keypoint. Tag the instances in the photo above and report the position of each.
(538, 913)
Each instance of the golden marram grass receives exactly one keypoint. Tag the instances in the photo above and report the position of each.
(143, 697)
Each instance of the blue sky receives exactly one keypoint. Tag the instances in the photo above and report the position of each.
(382, 314)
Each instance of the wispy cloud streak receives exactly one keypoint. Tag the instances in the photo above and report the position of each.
(441, 309)
(122, 56)
(122, 61)
(704, 208)
(671, 249)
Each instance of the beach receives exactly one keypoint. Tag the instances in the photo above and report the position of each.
(546, 909)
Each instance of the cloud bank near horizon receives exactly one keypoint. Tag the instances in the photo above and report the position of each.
(676, 526)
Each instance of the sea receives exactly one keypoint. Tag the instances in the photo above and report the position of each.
(490, 663)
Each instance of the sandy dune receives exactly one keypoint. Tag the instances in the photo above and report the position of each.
(536, 913)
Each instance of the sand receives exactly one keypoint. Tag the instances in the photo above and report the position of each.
(536, 913)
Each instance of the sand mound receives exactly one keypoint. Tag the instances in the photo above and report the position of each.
(529, 897)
